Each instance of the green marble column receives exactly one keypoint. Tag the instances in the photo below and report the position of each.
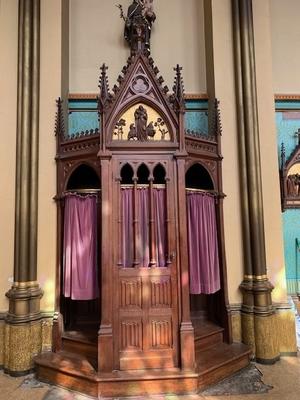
(23, 321)
(258, 319)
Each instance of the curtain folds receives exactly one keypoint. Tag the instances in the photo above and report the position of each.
(202, 243)
(127, 227)
(80, 278)
(142, 218)
(159, 203)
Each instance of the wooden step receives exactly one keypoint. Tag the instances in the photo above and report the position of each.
(82, 343)
(68, 370)
(76, 373)
(220, 361)
(207, 334)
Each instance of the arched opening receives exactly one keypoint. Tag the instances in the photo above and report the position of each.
(83, 177)
(159, 175)
(126, 175)
(197, 177)
(143, 175)
(202, 241)
(81, 272)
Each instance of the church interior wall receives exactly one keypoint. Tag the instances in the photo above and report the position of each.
(285, 38)
(50, 88)
(96, 36)
(8, 102)
(285, 32)
(219, 58)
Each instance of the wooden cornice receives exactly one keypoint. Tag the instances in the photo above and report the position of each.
(287, 97)
(93, 96)
(188, 96)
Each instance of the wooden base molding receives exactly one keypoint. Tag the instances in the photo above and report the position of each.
(75, 367)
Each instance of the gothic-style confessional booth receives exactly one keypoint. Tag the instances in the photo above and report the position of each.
(141, 277)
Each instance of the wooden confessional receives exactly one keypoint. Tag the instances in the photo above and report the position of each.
(143, 333)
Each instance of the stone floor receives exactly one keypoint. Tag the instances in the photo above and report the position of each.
(284, 376)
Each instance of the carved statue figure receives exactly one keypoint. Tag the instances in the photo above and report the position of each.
(138, 24)
(132, 132)
(150, 130)
(293, 185)
(141, 118)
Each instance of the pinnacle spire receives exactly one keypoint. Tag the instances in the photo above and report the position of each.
(59, 119)
(104, 86)
(178, 87)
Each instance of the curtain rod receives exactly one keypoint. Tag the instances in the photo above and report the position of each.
(201, 190)
(144, 186)
(87, 191)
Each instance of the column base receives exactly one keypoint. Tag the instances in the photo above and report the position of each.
(22, 342)
(259, 325)
(25, 333)
(266, 339)
(24, 302)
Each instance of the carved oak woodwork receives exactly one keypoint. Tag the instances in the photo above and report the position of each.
(145, 313)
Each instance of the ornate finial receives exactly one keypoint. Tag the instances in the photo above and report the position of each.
(59, 119)
(178, 88)
(104, 87)
(282, 155)
(138, 25)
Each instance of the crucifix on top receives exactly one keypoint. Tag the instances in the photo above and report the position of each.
(138, 25)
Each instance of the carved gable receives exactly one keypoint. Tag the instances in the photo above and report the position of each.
(139, 109)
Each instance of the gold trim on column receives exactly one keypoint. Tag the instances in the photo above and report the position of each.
(255, 277)
(25, 284)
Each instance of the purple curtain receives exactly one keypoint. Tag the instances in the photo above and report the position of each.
(143, 231)
(159, 200)
(143, 237)
(202, 243)
(80, 280)
(127, 227)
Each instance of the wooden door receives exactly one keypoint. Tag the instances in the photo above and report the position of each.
(146, 304)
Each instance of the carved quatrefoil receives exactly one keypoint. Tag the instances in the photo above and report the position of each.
(140, 84)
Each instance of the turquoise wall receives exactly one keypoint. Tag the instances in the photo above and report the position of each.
(83, 116)
(287, 124)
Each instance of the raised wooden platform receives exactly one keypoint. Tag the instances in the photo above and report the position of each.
(76, 373)
(215, 360)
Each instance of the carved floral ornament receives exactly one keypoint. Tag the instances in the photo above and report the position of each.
(141, 123)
